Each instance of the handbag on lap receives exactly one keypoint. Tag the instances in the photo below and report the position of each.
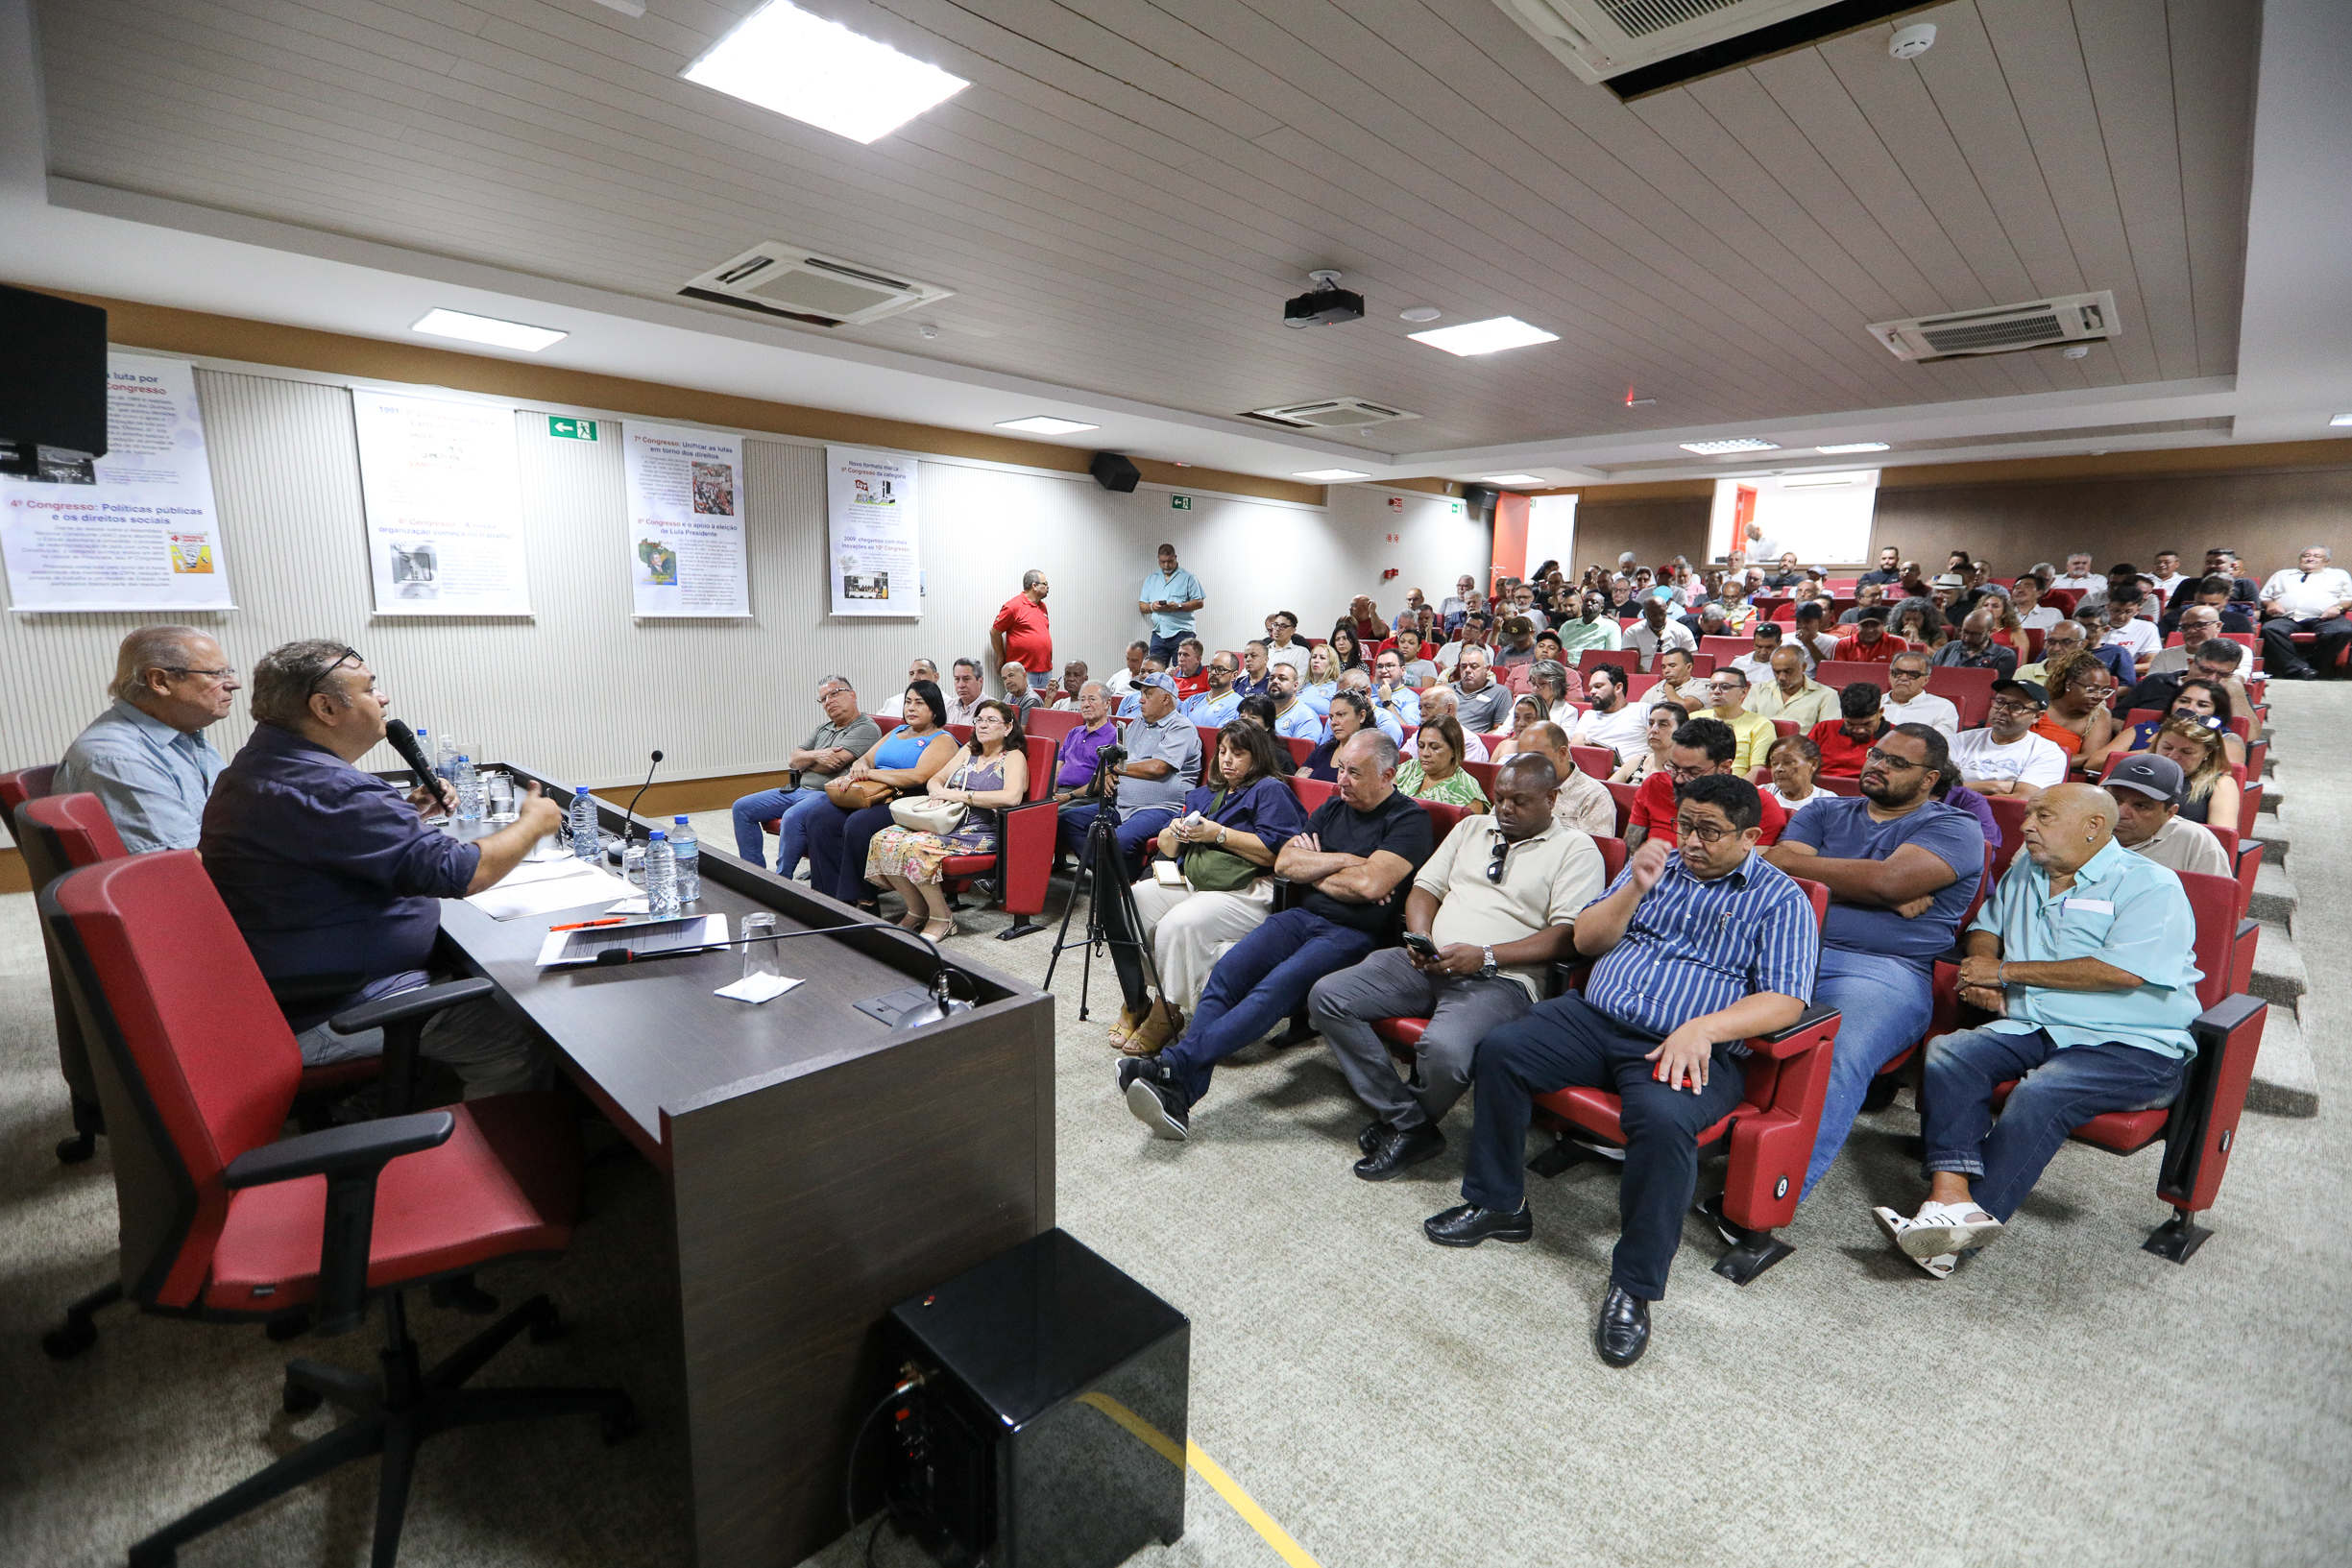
(857, 794)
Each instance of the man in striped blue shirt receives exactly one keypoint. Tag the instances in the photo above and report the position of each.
(1700, 947)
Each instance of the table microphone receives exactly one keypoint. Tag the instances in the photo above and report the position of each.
(403, 739)
(629, 819)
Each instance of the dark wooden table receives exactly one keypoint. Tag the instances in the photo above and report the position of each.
(822, 1167)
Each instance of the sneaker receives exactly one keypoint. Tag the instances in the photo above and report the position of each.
(1938, 1228)
(1157, 1099)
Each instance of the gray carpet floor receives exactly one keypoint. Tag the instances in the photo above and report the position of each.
(2066, 1396)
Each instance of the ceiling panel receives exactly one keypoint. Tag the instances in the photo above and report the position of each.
(1128, 190)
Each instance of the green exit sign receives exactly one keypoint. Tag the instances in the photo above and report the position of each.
(1180, 503)
(572, 429)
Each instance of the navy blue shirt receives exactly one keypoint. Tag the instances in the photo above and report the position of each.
(327, 869)
(1267, 808)
(1398, 825)
(1843, 830)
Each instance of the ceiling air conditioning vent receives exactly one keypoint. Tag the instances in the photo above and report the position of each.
(2037, 324)
(1601, 38)
(776, 278)
(1332, 414)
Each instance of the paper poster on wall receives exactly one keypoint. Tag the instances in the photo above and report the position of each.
(686, 520)
(444, 513)
(874, 559)
(134, 529)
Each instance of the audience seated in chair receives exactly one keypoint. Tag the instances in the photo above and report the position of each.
(1695, 749)
(846, 735)
(146, 758)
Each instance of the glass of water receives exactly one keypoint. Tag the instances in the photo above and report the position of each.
(758, 958)
(499, 793)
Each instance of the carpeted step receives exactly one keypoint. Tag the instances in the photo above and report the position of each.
(2275, 900)
(2279, 974)
(2285, 1079)
(2274, 837)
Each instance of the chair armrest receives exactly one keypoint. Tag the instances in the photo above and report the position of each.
(401, 1006)
(1286, 894)
(351, 1159)
(1817, 1024)
(295, 992)
(1567, 974)
(365, 1145)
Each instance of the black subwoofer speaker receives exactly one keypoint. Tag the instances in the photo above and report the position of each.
(1113, 471)
(1048, 1431)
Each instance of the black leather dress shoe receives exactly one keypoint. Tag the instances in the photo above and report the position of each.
(1400, 1151)
(1623, 1331)
(1466, 1224)
(1370, 1138)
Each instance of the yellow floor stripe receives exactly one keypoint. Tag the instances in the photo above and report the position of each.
(1243, 1504)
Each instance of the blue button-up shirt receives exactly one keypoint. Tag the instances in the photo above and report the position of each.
(1694, 948)
(152, 779)
(1180, 585)
(327, 870)
(2122, 910)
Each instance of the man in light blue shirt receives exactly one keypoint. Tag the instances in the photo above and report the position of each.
(1214, 708)
(1293, 719)
(1170, 597)
(145, 757)
(2086, 955)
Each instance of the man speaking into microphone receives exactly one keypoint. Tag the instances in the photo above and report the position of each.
(327, 870)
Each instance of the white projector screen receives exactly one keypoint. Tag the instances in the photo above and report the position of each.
(1825, 518)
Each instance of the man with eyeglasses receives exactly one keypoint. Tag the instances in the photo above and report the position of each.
(1902, 868)
(334, 878)
(1908, 701)
(1727, 694)
(1222, 699)
(846, 735)
(146, 758)
(1701, 746)
(2005, 756)
(1494, 904)
(1703, 944)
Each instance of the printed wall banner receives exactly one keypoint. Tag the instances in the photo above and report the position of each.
(444, 504)
(134, 529)
(874, 563)
(686, 520)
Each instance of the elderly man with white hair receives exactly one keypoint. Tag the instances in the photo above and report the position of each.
(2310, 596)
(145, 757)
(1438, 703)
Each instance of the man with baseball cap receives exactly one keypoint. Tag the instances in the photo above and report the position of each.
(2005, 756)
(1163, 760)
(2147, 791)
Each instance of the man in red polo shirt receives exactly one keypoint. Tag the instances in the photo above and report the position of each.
(1868, 642)
(1845, 740)
(1023, 634)
(1701, 746)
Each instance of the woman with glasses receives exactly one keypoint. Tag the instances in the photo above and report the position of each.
(1436, 772)
(2078, 718)
(2208, 702)
(985, 778)
(1665, 718)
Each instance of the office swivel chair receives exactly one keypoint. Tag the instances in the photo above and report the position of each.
(222, 1221)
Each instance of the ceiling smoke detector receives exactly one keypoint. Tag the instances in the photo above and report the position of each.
(1911, 42)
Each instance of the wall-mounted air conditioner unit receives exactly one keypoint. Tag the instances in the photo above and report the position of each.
(1601, 38)
(780, 279)
(1332, 414)
(2001, 329)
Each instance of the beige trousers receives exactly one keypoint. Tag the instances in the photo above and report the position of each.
(1188, 931)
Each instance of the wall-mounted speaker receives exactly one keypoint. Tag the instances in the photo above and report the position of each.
(1113, 471)
(1478, 500)
(55, 392)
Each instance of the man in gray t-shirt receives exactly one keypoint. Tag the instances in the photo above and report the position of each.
(1162, 767)
(846, 735)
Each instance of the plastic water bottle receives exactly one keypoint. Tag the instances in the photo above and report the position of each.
(686, 853)
(468, 792)
(584, 841)
(445, 758)
(661, 877)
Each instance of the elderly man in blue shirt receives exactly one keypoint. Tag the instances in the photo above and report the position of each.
(145, 757)
(2086, 956)
(1701, 947)
(331, 875)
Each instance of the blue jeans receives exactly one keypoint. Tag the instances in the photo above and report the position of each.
(1885, 1005)
(1164, 648)
(792, 837)
(2059, 1091)
(1136, 831)
(1262, 980)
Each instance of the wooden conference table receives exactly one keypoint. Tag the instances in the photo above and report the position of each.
(821, 1168)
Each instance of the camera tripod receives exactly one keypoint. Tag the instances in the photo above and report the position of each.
(1102, 863)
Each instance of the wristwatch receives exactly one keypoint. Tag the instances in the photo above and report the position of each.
(1488, 970)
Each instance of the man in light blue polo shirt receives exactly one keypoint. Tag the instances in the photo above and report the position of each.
(1214, 708)
(1170, 595)
(2087, 953)
(1293, 719)
(145, 757)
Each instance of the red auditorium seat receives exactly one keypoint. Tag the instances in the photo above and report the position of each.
(1022, 863)
(22, 786)
(1969, 690)
(1052, 723)
(1723, 649)
(1599, 762)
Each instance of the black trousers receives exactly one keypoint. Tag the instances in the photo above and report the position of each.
(2280, 651)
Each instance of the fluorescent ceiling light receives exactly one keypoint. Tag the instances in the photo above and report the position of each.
(2342, 419)
(1484, 337)
(1852, 447)
(1511, 479)
(1330, 477)
(1819, 484)
(456, 323)
(819, 72)
(1046, 425)
(1736, 444)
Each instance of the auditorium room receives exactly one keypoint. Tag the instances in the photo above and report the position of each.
(1207, 784)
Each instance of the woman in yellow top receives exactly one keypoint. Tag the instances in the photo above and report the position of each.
(1437, 774)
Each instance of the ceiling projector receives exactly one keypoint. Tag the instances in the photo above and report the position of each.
(1327, 305)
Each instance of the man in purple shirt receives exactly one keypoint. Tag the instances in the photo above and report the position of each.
(1074, 762)
(332, 876)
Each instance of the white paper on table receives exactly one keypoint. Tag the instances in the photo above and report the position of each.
(545, 894)
(630, 906)
(540, 870)
(713, 935)
(756, 988)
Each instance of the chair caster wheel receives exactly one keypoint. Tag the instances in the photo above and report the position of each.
(463, 1295)
(69, 1339)
(292, 1326)
(299, 1400)
(77, 1148)
(162, 1557)
(622, 1426)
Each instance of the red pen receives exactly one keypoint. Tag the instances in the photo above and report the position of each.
(584, 924)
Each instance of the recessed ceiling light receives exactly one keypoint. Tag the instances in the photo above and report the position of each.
(1854, 447)
(1484, 337)
(456, 323)
(2342, 419)
(819, 72)
(1511, 479)
(1736, 444)
(1421, 313)
(1330, 477)
(1046, 425)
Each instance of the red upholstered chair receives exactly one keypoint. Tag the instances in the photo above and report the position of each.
(1484, 773)
(2304, 639)
(1637, 687)
(1969, 690)
(2009, 816)
(1769, 1136)
(1703, 664)
(222, 1221)
(1300, 747)
(1623, 794)
(1022, 863)
(1052, 723)
(1595, 762)
(1848, 784)
(2062, 599)
(55, 834)
(1592, 658)
(1839, 672)
(1723, 649)
(21, 785)
(1783, 728)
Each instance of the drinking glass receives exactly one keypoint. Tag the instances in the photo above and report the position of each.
(498, 790)
(758, 958)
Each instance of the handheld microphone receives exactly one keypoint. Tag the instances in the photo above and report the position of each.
(629, 819)
(403, 739)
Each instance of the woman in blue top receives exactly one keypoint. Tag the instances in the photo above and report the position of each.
(1225, 845)
(1323, 680)
(1350, 712)
(903, 759)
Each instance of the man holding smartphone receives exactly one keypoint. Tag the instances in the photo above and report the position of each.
(1489, 913)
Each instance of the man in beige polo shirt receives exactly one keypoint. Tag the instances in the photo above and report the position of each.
(1489, 913)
